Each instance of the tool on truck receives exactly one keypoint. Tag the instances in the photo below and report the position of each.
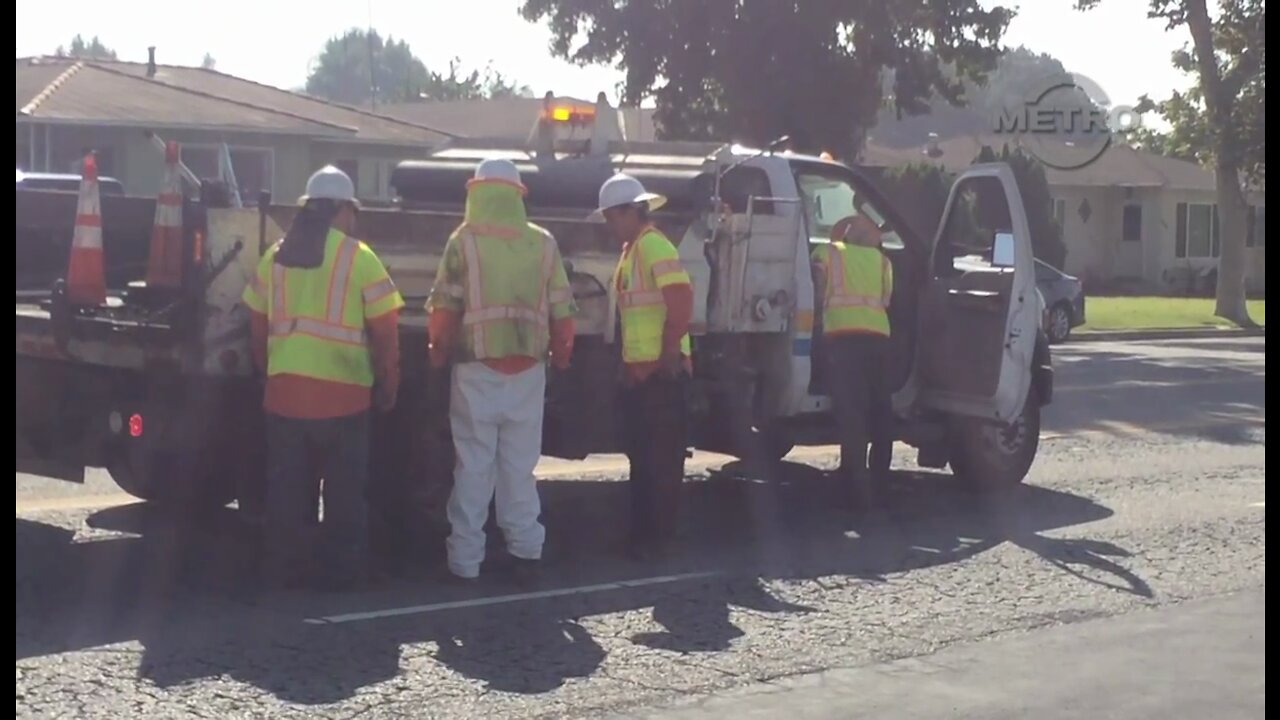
(163, 394)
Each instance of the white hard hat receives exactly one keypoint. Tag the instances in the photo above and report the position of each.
(622, 189)
(498, 170)
(330, 183)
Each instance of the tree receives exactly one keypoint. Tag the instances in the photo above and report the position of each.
(753, 70)
(81, 50)
(360, 68)
(475, 85)
(922, 188)
(1019, 75)
(208, 63)
(1033, 187)
(1221, 118)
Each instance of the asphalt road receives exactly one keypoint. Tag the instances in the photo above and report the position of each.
(1142, 527)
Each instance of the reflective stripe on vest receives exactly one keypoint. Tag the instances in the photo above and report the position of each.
(641, 306)
(479, 312)
(293, 336)
(869, 308)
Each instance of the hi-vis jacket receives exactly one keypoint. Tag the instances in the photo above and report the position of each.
(501, 294)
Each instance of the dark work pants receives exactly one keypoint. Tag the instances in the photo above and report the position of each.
(855, 373)
(300, 453)
(655, 424)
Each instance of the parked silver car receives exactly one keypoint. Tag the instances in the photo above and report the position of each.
(1063, 299)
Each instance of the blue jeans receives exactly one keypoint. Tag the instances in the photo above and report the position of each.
(299, 454)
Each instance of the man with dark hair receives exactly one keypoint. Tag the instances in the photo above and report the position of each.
(325, 332)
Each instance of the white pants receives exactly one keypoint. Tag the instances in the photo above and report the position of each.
(497, 432)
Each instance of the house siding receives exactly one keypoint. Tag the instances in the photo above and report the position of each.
(139, 165)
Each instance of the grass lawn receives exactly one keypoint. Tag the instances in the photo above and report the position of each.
(1146, 313)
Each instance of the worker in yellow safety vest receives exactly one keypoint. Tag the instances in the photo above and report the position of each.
(854, 282)
(652, 300)
(500, 305)
(324, 331)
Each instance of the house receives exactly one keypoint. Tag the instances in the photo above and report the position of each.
(277, 138)
(1128, 218)
(513, 118)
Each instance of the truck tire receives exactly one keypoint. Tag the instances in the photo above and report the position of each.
(994, 456)
(174, 480)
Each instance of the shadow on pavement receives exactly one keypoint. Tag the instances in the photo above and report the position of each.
(1119, 392)
(175, 587)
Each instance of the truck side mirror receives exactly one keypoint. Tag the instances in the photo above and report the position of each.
(1002, 253)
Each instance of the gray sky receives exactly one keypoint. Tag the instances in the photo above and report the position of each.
(273, 41)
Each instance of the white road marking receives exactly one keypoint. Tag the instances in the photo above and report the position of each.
(504, 599)
(1262, 504)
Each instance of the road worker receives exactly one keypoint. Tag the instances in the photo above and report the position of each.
(653, 302)
(854, 280)
(324, 331)
(500, 304)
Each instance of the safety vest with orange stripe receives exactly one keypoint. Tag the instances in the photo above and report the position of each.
(508, 284)
(647, 265)
(859, 283)
(316, 316)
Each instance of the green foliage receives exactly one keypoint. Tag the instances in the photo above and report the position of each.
(1033, 186)
(924, 187)
(1019, 75)
(91, 50)
(753, 70)
(354, 66)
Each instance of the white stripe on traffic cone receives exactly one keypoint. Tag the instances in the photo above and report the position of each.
(164, 261)
(86, 271)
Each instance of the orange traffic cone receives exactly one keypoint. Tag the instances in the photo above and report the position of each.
(164, 261)
(86, 271)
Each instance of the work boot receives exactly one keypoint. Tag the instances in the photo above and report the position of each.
(526, 573)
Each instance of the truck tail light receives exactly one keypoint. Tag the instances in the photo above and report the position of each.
(135, 425)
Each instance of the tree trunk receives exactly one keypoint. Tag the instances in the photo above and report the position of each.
(1231, 208)
(1231, 264)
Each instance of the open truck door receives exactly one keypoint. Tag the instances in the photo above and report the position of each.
(978, 328)
(979, 317)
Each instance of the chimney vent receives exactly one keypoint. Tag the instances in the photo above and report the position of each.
(151, 61)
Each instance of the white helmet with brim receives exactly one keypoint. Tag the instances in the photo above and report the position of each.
(622, 189)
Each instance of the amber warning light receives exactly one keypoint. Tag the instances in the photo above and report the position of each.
(573, 115)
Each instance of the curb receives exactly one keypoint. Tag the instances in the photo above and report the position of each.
(1169, 334)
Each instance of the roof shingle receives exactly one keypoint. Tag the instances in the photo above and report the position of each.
(121, 93)
(1120, 165)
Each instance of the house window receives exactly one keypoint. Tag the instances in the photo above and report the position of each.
(1133, 223)
(1257, 232)
(253, 167)
(1197, 232)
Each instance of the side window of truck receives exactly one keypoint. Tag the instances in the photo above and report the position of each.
(829, 199)
(742, 183)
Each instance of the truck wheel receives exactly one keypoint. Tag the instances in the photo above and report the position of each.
(172, 480)
(995, 456)
(168, 444)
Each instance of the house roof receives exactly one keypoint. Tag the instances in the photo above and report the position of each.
(508, 118)
(1119, 166)
(93, 92)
